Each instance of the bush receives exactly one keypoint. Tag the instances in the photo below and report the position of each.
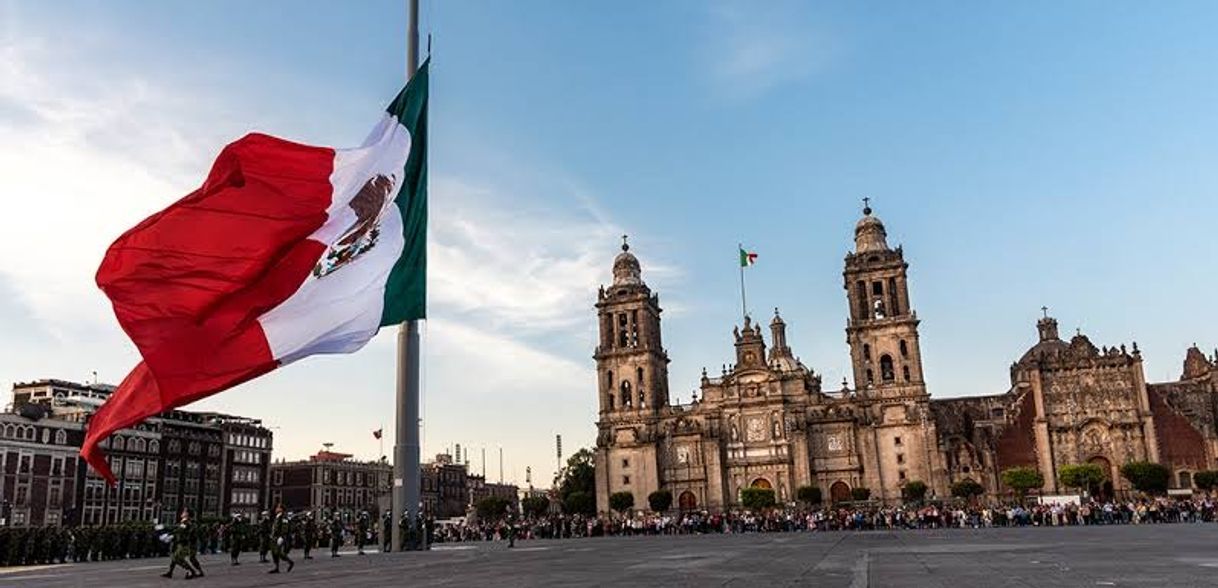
(809, 495)
(579, 502)
(621, 501)
(1022, 479)
(914, 490)
(861, 494)
(757, 498)
(1206, 479)
(1084, 476)
(967, 489)
(492, 508)
(1151, 478)
(535, 506)
(660, 500)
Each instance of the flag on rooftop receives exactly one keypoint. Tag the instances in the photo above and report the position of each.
(286, 251)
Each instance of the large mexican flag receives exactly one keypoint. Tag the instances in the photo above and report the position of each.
(286, 251)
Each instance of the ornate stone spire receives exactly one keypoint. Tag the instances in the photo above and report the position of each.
(869, 233)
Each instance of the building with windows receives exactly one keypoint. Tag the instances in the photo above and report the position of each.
(766, 420)
(212, 463)
(332, 482)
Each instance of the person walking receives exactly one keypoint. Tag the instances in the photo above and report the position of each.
(235, 533)
(336, 534)
(280, 540)
(361, 532)
(184, 542)
(310, 534)
(264, 536)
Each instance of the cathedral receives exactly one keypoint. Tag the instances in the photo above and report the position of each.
(767, 420)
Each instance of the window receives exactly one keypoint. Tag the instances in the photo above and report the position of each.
(904, 349)
(870, 377)
(867, 351)
(886, 372)
(905, 372)
(625, 480)
(1186, 480)
(877, 288)
(896, 441)
(900, 458)
(996, 413)
(626, 395)
(901, 475)
(625, 463)
(154, 446)
(118, 443)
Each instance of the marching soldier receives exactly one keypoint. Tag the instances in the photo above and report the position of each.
(386, 531)
(236, 537)
(183, 539)
(281, 540)
(310, 534)
(361, 532)
(336, 534)
(264, 536)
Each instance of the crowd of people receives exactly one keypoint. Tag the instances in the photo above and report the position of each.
(275, 535)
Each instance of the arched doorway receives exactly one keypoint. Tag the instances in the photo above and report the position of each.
(1104, 490)
(761, 483)
(839, 492)
(687, 501)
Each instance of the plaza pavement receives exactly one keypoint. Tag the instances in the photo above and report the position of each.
(1181, 555)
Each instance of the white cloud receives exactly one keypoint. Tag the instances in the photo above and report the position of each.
(755, 47)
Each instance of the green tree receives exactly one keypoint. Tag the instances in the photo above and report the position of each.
(660, 500)
(1084, 476)
(809, 495)
(621, 501)
(757, 498)
(1206, 479)
(535, 506)
(1023, 479)
(860, 494)
(1148, 477)
(579, 503)
(914, 490)
(491, 508)
(967, 489)
(579, 475)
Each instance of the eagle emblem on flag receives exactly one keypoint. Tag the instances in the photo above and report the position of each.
(370, 205)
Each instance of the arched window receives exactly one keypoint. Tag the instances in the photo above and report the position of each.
(904, 349)
(626, 395)
(611, 407)
(905, 372)
(118, 444)
(886, 372)
(870, 377)
(1186, 480)
(867, 351)
(8, 431)
(138, 445)
(623, 335)
(154, 446)
(61, 437)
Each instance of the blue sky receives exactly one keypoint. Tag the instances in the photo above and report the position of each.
(1025, 154)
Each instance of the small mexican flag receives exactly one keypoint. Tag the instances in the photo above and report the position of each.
(747, 258)
(286, 251)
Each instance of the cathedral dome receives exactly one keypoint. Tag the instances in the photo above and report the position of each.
(869, 233)
(626, 268)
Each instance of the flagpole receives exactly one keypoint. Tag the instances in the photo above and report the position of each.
(406, 451)
(744, 307)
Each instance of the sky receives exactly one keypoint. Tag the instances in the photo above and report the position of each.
(1024, 154)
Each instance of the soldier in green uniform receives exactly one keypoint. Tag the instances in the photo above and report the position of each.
(386, 531)
(235, 533)
(264, 536)
(336, 534)
(281, 540)
(196, 536)
(361, 532)
(183, 538)
(310, 534)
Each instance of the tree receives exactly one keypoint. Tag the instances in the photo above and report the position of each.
(621, 501)
(757, 498)
(492, 508)
(860, 494)
(967, 489)
(1148, 477)
(1206, 479)
(914, 490)
(660, 500)
(579, 503)
(1084, 476)
(579, 475)
(809, 495)
(535, 506)
(1022, 479)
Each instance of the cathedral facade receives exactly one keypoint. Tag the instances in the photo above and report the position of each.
(767, 421)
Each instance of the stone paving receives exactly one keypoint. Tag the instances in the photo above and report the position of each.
(1149, 555)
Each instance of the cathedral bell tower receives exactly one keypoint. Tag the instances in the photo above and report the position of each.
(631, 363)
(883, 328)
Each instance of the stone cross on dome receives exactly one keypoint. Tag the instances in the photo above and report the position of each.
(625, 245)
(866, 205)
